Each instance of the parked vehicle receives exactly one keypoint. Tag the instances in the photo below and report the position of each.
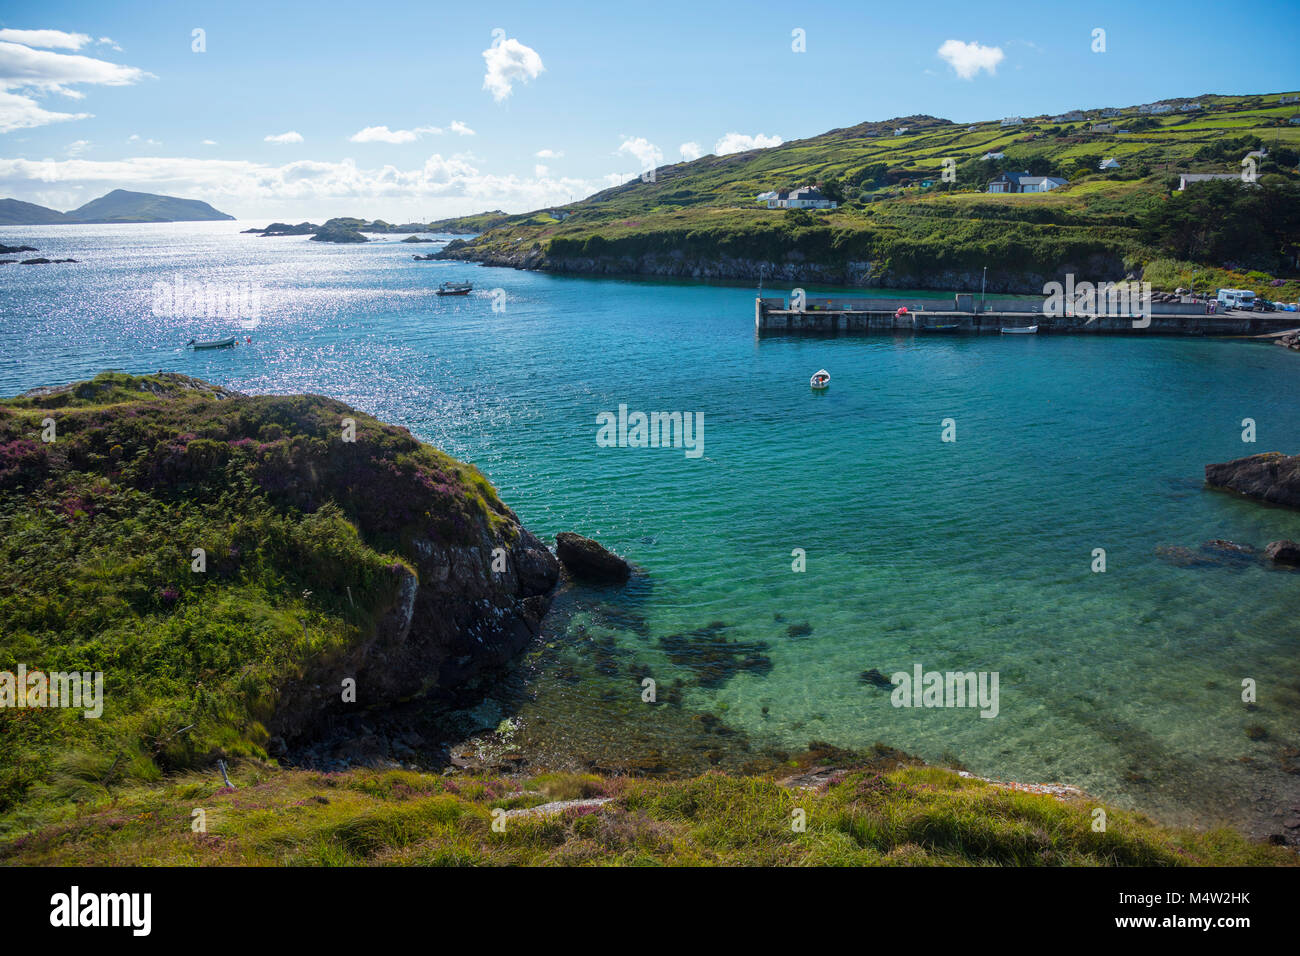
(1235, 299)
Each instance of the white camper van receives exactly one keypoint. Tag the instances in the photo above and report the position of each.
(1236, 299)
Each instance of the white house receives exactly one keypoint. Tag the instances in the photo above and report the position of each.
(1103, 127)
(993, 156)
(1025, 183)
(1108, 113)
(805, 197)
(1074, 116)
(1011, 121)
(1289, 98)
(1189, 107)
(900, 131)
(1107, 164)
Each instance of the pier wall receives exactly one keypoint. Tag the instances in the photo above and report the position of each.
(838, 314)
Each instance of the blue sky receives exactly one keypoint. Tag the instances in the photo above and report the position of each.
(118, 97)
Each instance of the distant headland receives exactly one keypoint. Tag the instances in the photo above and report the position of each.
(121, 205)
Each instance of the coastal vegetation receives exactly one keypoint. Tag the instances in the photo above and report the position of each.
(217, 557)
(875, 811)
(899, 223)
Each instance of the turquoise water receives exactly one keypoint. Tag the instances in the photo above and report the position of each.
(966, 555)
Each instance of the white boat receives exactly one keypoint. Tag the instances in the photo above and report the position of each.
(1030, 330)
(454, 288)
(821, 380)
(214, 344)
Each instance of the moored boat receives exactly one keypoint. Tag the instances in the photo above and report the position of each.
(821, 379)
(455, 288)
(1027, 330)
(213, 344)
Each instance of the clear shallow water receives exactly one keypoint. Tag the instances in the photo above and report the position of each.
(973, 555)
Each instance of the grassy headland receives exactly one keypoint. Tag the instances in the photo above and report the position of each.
(900, 224)
(316, 552)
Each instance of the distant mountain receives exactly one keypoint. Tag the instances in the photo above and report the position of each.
(121, 205)
(16, 213)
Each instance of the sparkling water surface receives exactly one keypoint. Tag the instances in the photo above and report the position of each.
(968, 555)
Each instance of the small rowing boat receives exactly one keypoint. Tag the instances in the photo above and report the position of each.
(214, 344)
(1028, 330)
(455, 288)
(820, 380)
(951, 327)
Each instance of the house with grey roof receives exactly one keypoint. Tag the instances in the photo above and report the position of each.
(1025, 183)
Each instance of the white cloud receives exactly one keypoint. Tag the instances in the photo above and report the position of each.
(541, 172)
(78, 147)
(282, 138)
(967, 59)
(509, 61)
(23, 112)
(50, 39)
(382, 134)
(460, 129)
(209, 142)
(647, 154)
(304, 188)
(22, 67)
(740, 142)
(549, 154)
(27, 72)
(691, 151)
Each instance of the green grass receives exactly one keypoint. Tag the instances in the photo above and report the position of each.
(869, 816)
(307, 542)
(705, 209)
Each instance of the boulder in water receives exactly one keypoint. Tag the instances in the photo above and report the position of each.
(585, 558)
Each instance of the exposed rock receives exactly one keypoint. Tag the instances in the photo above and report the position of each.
(41, 261)
(1272, 477)
(1283, 552)
(1290, 340)
(284, 229)
(12, 250)
(585, 558)
(339, 230)
(416, 239)
(558, 806)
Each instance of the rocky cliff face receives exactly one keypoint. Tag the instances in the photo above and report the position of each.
(1271, 477)
(792, 270)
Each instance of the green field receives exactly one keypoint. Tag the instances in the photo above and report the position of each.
(889, 229)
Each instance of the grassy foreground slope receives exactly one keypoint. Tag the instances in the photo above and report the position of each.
(901, 224)
(909, 816)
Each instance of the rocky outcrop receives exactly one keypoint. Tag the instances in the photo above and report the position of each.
(1271, 477)
(339, 230)
(422, 577)
(1291, 340)
(1283, 552)
(794, 268)
(588, 560)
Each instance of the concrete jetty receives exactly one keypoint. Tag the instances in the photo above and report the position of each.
(964, 313)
